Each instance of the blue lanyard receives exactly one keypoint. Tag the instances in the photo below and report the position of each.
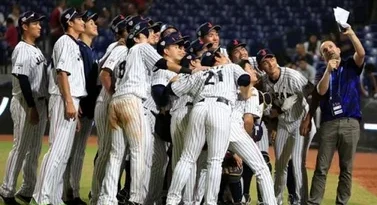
(339, 80)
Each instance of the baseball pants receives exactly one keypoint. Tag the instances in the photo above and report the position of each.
(134, 126)
(26, 148)
(178, 127)
(49, 185)
(209, 121)
(104, 147)
(73, 171)
(159, 164)
(290, 145)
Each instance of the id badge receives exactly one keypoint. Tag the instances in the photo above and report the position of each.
(336, 106)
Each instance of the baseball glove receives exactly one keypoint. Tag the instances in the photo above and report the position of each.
(162, 126)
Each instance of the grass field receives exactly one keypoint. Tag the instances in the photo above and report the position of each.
(360, 196)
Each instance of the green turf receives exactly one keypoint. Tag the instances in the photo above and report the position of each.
(360, 196)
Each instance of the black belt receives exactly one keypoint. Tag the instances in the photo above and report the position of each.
(189, 104)
(220, 99)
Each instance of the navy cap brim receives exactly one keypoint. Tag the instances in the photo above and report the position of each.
(93, 17)
(266, 56)
(79, 15)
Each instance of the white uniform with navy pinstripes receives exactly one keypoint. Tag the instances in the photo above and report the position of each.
(159, 154)
(263, 144)
(27, 60)
(131, 89)
(242, 144)
(114, 55)
(209, 121)
(67, 58)
(289, 143)
(179, 110)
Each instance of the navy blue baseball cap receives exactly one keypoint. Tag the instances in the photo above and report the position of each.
(172, 39)
(205, 28)
(133, 20)
(166, 27)
(90, 16)
(208, 58)
(118, 23)
(185, 62)
(156, 26)
(262, 54)
(235, 43)
(29, 17)
(69, 15)
(198, 45)
(142, 27)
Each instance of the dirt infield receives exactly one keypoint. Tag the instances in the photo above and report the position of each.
(365, 171)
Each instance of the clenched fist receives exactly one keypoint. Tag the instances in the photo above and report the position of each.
(333, 64)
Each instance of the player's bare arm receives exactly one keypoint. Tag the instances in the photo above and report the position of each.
(359, 55)
(70, 111)
(105, 78)
(248, 123)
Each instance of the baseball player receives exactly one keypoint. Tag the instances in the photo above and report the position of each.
(72, 174)
(237, 53)
(28, 109)
(214, 92)
(63, 108)
(179, 108)
(109, 64)
(289, 89)
(159, 154)
(130, 89)
(198, 47)
(209, 33)
(242, 127)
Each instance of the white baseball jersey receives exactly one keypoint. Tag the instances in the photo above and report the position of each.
(290, 83)
(163, 77)
(66, 57)
(28, 60)
(198, 84)
(250, 106)
(136, 77)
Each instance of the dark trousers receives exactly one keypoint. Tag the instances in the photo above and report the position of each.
(342, 135)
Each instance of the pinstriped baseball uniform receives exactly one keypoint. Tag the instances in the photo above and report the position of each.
(263, 144)
(105, 184)
(242, 144)
(158, 155)
(27, 60)
(73, 171)
(66, 58)
(209, 121)
(130, 89)
(103, 132)
(180, 109)
(288, 141)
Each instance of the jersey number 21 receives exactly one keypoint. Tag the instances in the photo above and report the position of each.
(210, 80)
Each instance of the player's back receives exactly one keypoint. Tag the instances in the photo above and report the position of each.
(220, 81)
(137, 72)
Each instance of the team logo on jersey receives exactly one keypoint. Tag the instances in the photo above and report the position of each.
(40, 60)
